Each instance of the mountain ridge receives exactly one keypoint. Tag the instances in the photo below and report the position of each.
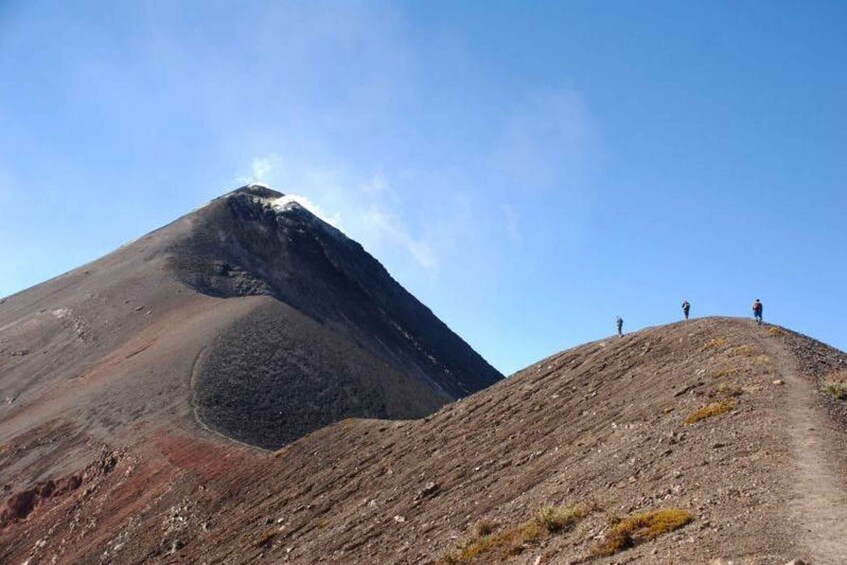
(604, 424)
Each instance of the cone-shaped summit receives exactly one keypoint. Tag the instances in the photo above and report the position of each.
(264, 319)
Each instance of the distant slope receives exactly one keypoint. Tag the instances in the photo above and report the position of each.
(603, 423)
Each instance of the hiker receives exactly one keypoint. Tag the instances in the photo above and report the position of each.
(619, 322)
(685, 308)
(757, 311)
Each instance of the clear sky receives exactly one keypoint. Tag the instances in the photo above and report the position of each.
(529, 170)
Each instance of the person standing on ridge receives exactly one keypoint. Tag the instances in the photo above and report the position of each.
(757, 311)
(619, 322)
(685, 308)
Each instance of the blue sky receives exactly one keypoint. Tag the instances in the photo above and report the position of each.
(528, 170)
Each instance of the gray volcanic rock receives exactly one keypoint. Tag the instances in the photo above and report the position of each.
(244, 244)
(276, 375)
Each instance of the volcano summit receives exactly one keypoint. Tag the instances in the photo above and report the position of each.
(251, 312)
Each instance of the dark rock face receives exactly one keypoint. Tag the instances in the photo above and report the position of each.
(338, 294)
(277, 375)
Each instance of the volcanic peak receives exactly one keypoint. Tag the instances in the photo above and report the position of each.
(256, 189)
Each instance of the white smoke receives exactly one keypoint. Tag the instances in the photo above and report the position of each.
(286, 201)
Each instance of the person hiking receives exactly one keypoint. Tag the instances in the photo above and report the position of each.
(757, 311)
(619, 322)
(685, 308)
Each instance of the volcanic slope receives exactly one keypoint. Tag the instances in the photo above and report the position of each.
(250, 311)
(616, 428)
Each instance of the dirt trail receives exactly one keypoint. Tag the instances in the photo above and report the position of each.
(817, 503)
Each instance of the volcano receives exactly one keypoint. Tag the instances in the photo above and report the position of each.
(250, 317)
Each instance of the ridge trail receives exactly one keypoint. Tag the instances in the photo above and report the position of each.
(817, 502)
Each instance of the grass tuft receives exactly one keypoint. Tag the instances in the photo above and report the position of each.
(774, 331)
(714, 409)
(638, 528)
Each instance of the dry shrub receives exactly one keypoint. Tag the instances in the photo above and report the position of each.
(558, 519)
(638, 528)
(508, 542)
(714, 409)
(715, 343)
(530, 531)
(775, 331)
(497, 546)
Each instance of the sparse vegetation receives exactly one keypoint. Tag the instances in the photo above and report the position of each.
(548, 520)
(715, 343)
(638, 528)
(556, 519)
(728, 372)
(729, 390)
(485, 527)
(774, 331)
(837, 390)
(612, 518)
(714, 409)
